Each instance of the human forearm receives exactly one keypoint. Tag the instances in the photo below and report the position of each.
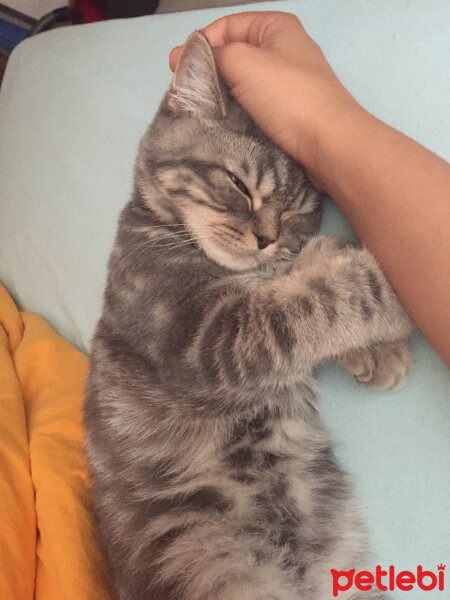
(396, 195)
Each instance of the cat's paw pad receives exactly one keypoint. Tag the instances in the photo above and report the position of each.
(383, 366)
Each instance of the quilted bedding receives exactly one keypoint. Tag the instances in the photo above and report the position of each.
(47, 546)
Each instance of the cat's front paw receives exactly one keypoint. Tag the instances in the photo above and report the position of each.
(383, 366)
(318, 249)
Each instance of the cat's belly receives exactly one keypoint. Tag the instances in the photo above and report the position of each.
(289, 487)
(271, 498)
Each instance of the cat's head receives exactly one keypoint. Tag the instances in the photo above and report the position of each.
(205, 164)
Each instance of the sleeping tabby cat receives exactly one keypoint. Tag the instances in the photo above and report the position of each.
(213, 477)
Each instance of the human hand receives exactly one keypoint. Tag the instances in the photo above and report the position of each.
(280, 76)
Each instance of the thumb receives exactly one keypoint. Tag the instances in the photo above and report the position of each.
(174, 56)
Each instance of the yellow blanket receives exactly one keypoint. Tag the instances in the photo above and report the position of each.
(47, 545)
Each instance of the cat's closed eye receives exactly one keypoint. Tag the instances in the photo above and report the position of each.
(240, 186)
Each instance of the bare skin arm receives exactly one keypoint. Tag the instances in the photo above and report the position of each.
(396, 195)
(394, 192)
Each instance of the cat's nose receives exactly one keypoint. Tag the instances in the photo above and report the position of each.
(263, 242)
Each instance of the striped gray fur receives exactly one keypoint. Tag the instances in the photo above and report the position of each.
(213, 477)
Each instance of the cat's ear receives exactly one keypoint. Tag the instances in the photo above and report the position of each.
(196, 87)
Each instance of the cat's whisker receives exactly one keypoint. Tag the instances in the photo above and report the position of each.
(197, 239)
(191, 252)
(168, 225)
(174, 246)
(165, 238)
(170, 236)
(185, 243)
(149, 229)
(173, 243)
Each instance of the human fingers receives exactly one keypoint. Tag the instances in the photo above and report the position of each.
(248, 27)
(241, 27)
(276, 31)
(261, 29)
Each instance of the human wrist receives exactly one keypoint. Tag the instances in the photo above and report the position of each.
(334, 135)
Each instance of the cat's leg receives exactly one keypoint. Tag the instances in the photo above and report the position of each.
(335, 300)
(319, 249)
(385, 361)
(383, 366)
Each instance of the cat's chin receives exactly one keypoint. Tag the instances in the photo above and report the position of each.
(231, 260)
(239, 261)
